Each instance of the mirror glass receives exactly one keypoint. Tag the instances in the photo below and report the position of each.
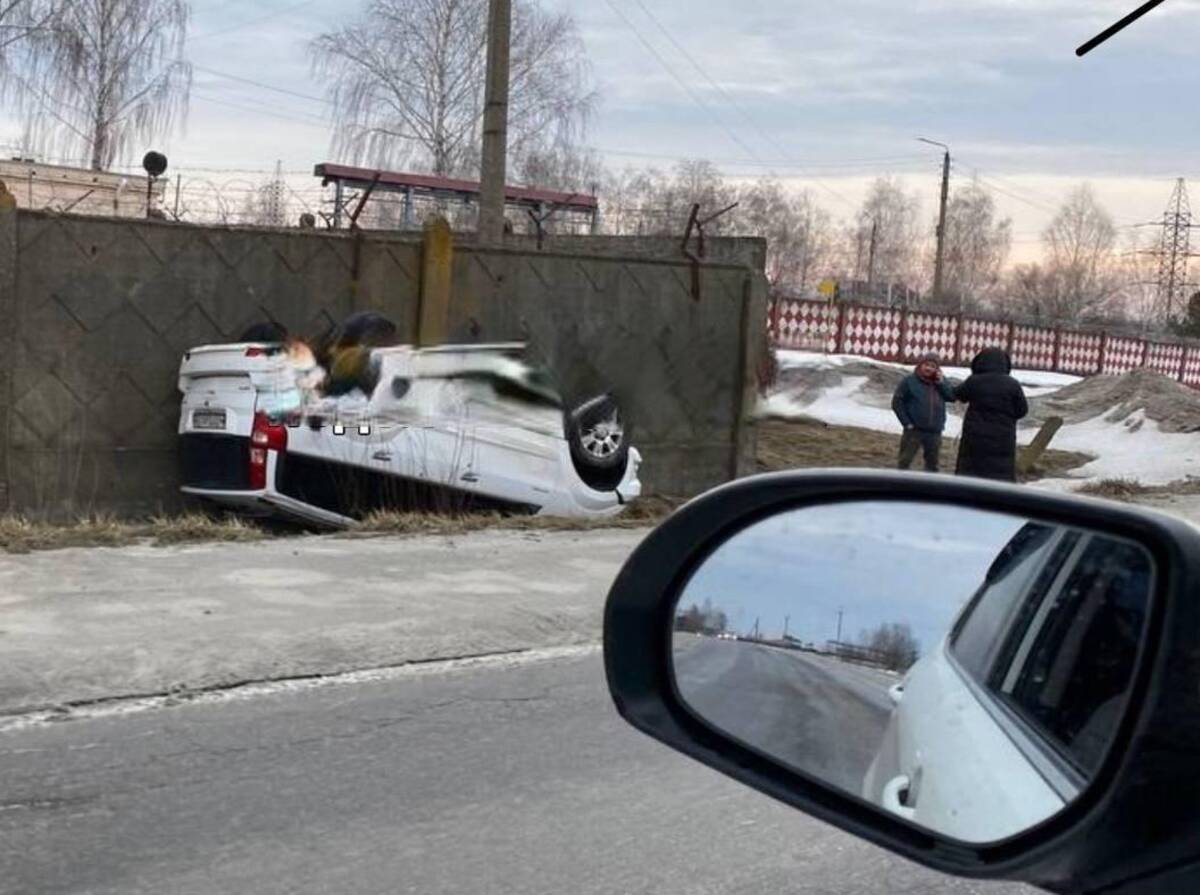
(962, 669)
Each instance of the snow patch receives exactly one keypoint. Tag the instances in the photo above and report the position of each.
(1125, 444)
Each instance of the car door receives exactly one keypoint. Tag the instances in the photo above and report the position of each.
(945, 712)
(1046, 651)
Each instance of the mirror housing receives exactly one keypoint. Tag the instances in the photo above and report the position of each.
(1136, 827)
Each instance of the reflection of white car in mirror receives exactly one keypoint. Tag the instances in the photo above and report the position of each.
(1003, 723)
(472, 427)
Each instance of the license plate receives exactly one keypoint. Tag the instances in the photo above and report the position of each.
(208, 419)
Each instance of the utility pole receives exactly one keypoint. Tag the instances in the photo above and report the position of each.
(941, 227)
(786, 619)
(871, 260)
(756, 628)
(838, 639)
(495, 123)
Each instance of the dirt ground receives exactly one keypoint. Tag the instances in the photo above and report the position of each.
(808, 444)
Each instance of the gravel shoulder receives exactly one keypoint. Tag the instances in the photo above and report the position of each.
(80, 625)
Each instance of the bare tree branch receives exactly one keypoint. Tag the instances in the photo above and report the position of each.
(416, 68)
(106, 79)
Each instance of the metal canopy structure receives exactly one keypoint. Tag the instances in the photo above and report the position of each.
(353, 188)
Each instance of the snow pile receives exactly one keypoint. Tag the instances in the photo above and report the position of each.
(1140, 425)
(1136, 396)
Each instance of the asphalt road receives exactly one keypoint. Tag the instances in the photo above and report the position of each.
(504, 777)
(817, 713)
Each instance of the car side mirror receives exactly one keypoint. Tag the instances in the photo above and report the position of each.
(993, 681)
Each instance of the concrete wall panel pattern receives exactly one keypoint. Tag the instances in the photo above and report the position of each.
(97, 313)
(105, 309)
(629, 325)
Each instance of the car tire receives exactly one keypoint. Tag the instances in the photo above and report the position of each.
(599, 440)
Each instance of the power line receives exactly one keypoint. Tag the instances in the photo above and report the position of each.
(311, 121)
(996, 188)
(1014, 191)
(253, 22)
(252, 82)
(721, 90)
(678, 80)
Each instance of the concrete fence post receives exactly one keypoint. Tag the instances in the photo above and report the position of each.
(9, 327)
(437, 263)
(1103, 353)
(745, 432)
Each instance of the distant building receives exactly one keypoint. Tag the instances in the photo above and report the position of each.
(77, 190)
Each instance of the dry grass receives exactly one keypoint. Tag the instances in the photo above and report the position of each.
(1131, 490)
(22, 535)
(195, 528)
(782, 444)
(810, 444)
(1115, 489)
(642, 513)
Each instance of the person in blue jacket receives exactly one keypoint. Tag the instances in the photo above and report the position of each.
(920, 405)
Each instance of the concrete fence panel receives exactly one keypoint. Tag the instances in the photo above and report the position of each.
(98, 312)
(1122, 354)
(1034, 347)
(1080, 353)
(925, 333)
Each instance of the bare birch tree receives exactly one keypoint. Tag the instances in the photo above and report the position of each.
(977, 246)
(407, 81)
(106, 79)
(1080, 278)
(797, 232)
(21, 20)
(1080, 242)
(891, 214)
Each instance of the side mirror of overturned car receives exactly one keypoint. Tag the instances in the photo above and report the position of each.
(992, 681)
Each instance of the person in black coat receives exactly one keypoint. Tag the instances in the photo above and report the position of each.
(995, 402)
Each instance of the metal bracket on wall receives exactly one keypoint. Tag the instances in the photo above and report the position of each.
(362, 200)
(695, 222)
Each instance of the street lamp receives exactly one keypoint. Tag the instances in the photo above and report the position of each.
(941, 228)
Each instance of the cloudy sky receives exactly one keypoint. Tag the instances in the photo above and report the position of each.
(876, 562)
(823, 95)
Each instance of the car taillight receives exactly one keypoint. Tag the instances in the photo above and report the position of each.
(264, 436)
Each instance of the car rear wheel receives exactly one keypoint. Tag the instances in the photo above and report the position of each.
(599, 440)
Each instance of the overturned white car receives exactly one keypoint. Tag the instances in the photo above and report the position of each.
(453, 428)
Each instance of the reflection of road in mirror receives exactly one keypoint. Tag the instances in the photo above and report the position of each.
(787, 702)
(961, 669)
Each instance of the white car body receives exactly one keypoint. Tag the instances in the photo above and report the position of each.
(946, 757)
(962, 754)
(450, 435)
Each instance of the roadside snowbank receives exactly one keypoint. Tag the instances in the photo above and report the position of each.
(1036, 382)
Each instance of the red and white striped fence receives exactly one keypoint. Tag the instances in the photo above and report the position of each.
(898, 335)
